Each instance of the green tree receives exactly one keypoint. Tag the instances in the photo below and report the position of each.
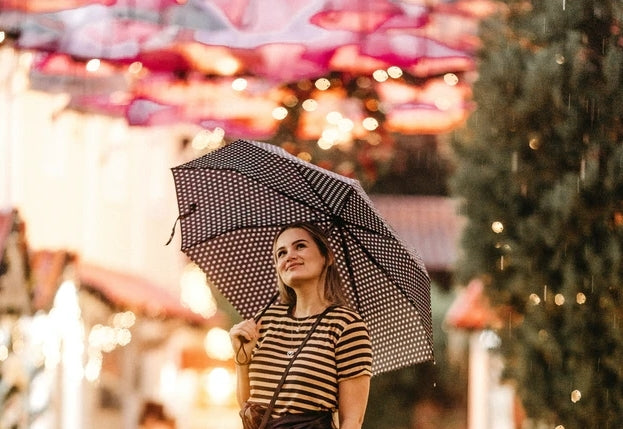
(539, 167)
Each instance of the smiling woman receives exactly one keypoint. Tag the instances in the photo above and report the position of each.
(310, 338)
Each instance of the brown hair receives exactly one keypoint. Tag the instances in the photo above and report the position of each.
(333, 292)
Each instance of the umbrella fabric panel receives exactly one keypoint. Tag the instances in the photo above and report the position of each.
(279, 170)
(224, 202)
(404, 341)
(386, 299)
(240, 264)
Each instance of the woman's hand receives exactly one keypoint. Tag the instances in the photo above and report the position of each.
(243, 337)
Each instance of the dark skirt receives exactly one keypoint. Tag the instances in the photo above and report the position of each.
(252, 415)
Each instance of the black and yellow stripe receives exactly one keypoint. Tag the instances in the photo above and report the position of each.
(338, 349)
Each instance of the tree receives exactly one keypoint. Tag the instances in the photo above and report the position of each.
(539, 168)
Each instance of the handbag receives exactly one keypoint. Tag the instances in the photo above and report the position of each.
(255, 416)
(252, 415)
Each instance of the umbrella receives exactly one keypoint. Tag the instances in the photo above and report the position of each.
(233, 200)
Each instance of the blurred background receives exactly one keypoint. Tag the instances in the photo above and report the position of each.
(487, 133)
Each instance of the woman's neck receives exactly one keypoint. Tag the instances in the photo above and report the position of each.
(308, 307)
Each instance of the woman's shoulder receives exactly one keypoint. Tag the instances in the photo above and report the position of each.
(346, 313)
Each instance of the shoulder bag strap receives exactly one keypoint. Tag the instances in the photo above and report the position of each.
(285, 372)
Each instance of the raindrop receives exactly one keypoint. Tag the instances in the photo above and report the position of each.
(514, 162)
(497, 227)
(534, 299)
(559, 299)
(560, 59)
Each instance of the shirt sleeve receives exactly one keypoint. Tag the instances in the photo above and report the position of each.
(353, 352)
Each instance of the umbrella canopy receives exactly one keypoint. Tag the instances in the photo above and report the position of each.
(233, 201)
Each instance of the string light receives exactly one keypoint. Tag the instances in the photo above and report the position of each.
(394, 72)
(93, 65)
(239, 84)
(280, 113)
(450, 79)
(135, 67)
(380, 75)
(310, 105)
(322, 84)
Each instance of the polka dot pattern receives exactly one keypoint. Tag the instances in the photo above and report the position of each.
(233, 200)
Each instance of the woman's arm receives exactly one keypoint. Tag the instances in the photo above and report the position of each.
(352, 401)
(243, 391)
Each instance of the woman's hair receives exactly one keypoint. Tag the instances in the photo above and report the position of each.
(333, 292)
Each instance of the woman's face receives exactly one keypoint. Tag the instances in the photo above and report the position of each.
(298, 258)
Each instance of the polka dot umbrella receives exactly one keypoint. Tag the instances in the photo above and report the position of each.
(233, 200)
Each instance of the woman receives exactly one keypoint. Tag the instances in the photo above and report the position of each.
(332, 371)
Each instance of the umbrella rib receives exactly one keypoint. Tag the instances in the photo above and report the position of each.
(375, 262)
(349, 266)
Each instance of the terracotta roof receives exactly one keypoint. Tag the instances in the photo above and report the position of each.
(429, 224)
(47, 267)
(7, 219)
(471, 309)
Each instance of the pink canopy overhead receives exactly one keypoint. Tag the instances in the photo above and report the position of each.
(166, 61)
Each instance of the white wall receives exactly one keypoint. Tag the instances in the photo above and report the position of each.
(88, 183)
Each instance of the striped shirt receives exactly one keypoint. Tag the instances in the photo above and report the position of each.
(339, 349)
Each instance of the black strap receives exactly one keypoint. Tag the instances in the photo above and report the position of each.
(257, 318)
(285, 372)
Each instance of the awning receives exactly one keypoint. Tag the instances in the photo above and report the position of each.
(135, 293)
(118, 289)
(429, 224)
